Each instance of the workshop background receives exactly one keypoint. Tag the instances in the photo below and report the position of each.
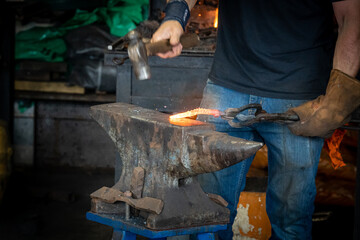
(55, 64)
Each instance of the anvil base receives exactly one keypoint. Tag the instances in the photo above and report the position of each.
(185, 206)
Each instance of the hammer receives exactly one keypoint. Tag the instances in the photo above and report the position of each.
(139, 51)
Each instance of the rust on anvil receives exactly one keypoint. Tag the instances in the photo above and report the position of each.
(137, 182)
(110, 195)
(170, 156)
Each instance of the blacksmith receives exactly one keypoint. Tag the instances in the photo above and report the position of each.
(282, 54)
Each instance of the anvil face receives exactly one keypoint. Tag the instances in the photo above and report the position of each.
(171, 155)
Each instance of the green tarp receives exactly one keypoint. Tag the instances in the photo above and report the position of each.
(47, 44)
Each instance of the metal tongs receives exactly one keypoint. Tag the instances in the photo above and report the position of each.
(238, 120)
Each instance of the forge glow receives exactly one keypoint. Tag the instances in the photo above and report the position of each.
(195, 112)
(216, 18)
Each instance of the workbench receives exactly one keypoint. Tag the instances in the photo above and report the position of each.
(60, 132)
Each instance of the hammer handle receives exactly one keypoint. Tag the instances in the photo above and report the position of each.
(187, 41)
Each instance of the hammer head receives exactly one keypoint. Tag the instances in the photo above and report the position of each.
(138, 56)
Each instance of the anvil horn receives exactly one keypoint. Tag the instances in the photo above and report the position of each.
(220, 151)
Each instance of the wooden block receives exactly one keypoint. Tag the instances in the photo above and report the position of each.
(56, 87)
(137, 182)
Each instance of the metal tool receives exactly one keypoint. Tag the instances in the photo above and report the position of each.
(170, 154)
(232, 115)
(111, 195)
(139, 51)
(118, 43)
(238, 120)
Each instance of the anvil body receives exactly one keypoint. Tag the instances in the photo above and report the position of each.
(171, 155)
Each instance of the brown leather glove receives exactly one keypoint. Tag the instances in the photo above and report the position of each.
(320, 117)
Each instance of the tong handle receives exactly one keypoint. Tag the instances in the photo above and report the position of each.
(260, 116)
(231, 113)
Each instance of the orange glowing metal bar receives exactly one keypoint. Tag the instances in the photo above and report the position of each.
(195, 112)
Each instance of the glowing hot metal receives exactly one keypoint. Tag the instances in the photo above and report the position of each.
(195, 112)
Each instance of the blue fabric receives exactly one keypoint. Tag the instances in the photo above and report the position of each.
(177, 10)
(293, 162)
(274, 48)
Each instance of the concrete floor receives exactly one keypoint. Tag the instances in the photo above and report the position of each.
(51, 204)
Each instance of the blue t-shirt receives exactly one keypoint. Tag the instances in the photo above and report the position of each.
(274, 48)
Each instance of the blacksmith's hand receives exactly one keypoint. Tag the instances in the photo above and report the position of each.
(177, 13)
(320, 117)
(169, 30)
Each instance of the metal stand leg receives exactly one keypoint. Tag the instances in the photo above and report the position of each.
(206, 236)
(117, 234)
(123, 235)
(128, 236)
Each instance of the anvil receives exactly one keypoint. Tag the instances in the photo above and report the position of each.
(172, 154)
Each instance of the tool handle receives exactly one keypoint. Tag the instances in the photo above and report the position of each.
(187, 40)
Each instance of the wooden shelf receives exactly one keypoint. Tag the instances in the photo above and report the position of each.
(99, 98)
(46, 86)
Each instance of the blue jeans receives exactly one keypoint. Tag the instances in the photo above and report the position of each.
(292, 160)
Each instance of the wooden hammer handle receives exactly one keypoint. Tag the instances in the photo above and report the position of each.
(187, 41)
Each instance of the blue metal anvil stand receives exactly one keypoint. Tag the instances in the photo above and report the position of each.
(133, 227)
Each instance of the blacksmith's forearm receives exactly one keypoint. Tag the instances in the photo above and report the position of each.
(347, 51)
